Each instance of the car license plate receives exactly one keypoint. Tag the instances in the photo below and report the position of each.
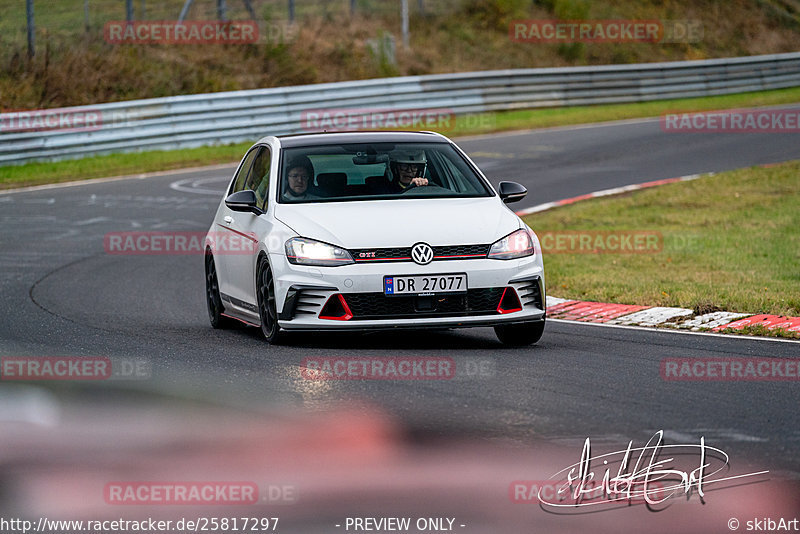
(428, 284)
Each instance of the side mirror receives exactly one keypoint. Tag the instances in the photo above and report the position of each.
(512, 192)
(242, 201)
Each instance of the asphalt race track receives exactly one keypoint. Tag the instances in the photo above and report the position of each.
(62, 294)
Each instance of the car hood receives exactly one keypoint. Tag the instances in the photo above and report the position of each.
(401, 223)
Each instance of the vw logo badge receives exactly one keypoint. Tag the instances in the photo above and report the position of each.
(422, 253)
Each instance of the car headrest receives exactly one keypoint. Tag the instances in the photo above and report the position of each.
(376, 181)
(332, 182)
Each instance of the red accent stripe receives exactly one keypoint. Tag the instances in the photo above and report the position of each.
(295, 257)
(347, 313)
(462, 256)
(240, 320)
(435, 257)
(502, 310)
(250, 237)
(382, 259)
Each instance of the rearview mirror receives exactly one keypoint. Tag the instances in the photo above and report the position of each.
(512, 192)
(363, 158)
(242, 201)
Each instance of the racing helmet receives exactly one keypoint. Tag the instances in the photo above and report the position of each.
(415, 158)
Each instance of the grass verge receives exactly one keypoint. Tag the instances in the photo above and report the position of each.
(117, 165)
(762, 331)
(121, 164)
(729, 242)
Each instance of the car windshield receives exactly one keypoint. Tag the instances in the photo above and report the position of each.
(373, 171)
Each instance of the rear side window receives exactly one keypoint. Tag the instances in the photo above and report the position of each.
(244, 169)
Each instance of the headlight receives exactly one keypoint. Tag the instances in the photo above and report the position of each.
(301, 251)
(516, 245)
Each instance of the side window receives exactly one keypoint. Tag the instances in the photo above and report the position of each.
(241, 176)
(449, 176)
(258, 180)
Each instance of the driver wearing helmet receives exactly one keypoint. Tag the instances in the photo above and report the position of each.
(407, 168)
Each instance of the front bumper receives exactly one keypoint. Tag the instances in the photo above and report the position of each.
(303, 292)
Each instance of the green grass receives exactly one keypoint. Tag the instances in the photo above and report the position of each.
(730, 242)
(117, 165)
(121, 164)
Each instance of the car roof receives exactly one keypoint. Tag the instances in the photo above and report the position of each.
(332, 138)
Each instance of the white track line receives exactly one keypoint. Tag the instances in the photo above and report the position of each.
(116, 178)
(608, 192)
(672, 331)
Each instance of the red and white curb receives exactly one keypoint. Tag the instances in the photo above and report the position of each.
(628, 315)
(652, 316)
(608, 192)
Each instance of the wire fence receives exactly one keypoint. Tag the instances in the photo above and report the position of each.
(74, 18)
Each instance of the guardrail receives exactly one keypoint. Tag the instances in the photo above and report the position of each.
(220, 118)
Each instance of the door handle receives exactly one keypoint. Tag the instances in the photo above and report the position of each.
(228, 219)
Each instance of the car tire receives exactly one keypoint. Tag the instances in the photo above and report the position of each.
(267, 310)
(520, 335)
(213, 300)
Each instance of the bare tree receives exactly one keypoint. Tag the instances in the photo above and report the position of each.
(404, 4)
(31, 28)
(250, 9)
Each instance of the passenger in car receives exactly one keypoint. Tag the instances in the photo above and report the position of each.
(298, 178)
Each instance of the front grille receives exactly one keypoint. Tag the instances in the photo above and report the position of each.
(378, 306)
(460, 251)
(445, 252)
(382, 254)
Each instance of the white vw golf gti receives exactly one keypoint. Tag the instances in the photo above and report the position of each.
(371, 231)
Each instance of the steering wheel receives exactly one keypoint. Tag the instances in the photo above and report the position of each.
(413, 186)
